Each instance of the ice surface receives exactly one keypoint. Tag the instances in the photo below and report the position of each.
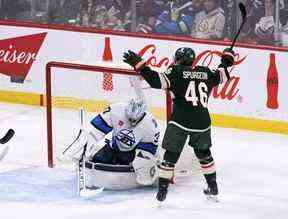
(252, 175)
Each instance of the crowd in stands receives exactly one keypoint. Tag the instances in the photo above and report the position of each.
(204, 19)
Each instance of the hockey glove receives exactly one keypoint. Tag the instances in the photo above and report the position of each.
(133, 59)
(227, 59)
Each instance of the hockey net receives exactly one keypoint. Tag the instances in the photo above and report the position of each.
(71, 87)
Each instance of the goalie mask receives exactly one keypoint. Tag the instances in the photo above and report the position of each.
(135, 110)
(184, 56)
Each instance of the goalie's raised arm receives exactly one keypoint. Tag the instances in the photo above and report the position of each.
(136, 83)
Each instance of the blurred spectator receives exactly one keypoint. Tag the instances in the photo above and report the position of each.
(63, 11)
(230, 9)
(209, 23)
(16, 9)
(208, 19)
(284, 12)
(39, 10)
(106, 18)
(283, 35)
(147, 13)
(174, 21)
(255, 10)
(265, 26)
(261, 26)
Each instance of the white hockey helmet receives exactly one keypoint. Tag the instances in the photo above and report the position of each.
(135, 110)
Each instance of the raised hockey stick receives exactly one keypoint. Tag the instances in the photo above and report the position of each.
(244, 19)
(9, 134)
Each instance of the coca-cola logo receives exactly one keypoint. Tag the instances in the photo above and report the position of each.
(150, 51)
(18, 54)
(227, 91)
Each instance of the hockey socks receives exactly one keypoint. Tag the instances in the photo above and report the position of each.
(166, 174)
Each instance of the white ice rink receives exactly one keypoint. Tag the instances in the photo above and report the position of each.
(252, 175)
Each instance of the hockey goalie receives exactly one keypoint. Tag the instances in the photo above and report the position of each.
(128, 157)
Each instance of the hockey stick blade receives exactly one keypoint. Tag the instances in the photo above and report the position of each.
(87, 193)
(9, 134)
(243, 12)
(212, 198)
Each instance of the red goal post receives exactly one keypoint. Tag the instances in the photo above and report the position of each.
(84, 67)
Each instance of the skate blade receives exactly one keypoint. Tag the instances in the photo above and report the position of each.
(159, 204)
(213, 198)
(86, 193)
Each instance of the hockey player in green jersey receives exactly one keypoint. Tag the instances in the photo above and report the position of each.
(190, 88)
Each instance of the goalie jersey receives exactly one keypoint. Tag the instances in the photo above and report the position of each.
(125, 137)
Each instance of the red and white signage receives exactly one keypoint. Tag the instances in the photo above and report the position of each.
(257, 88)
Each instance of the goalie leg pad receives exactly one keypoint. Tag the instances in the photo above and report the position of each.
(75, 149)
(144, 166)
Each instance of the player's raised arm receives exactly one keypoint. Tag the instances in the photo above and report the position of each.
(154, 79)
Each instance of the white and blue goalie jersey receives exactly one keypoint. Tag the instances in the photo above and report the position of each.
(144, 135)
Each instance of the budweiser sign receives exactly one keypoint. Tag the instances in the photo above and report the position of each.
(227, 91)
(18, 54)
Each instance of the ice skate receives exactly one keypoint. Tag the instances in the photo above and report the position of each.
(162, 192)
(211, 192)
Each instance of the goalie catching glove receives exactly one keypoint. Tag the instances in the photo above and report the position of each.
(133, 60)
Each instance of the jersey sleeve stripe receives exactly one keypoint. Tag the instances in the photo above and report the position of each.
(149, 147)
(166, 79)
(99, 123)
(164, 83)
(223, 77)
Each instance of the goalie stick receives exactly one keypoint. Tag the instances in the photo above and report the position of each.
(9, 134)
(81, 116)
(82, 190)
